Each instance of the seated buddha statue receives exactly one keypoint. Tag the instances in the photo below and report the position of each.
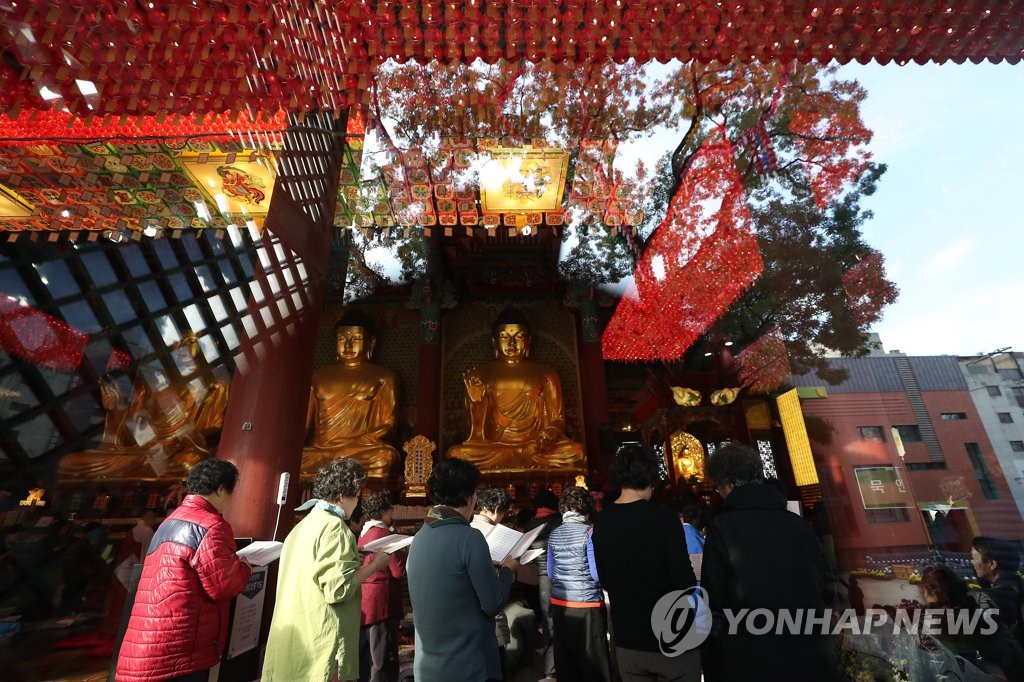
(352, 404)
(515, 408)
(172, 422)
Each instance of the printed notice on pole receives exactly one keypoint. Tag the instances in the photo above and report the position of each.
(245, 631)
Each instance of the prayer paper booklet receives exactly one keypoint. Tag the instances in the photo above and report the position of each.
(390, 544)
(506, 542)
(529, 555)
(261, 552)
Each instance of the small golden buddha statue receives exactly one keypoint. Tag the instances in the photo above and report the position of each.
(515, 408)
(352, 404)
(170, 424)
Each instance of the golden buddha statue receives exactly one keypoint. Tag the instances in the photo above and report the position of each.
(170, 424)
(515, 408)
(352, 404)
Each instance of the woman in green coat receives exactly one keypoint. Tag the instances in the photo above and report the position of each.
(315, 628)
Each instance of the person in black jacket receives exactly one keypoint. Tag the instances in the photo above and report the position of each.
(546, 514)
(640, 551)
(758, 555)
(995, 563)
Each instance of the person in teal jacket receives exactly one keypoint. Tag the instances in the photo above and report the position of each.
(314, 633)
(454, 587)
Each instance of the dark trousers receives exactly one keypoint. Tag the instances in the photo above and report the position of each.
(378, 651)
(652, 666)
(581, 644)
(547, 627)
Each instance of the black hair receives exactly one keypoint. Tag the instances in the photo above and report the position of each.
(693, 511)
(358, 512)
(635, 466)
(576, 499)
(1000, 551)
(545, 498)
(735, 464)
(949, 590)
(209, 475)
(355, 318)
(452, 482)
(375, 504)
(340, 477)
(510, 315)
(494, 500)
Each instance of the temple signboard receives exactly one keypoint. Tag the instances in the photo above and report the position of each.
(882, 487)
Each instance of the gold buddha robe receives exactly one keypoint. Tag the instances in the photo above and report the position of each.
(351, 411)
(519, 424)
(163, 432)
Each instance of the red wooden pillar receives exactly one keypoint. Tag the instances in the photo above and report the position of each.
(264, 427)
(428, 393)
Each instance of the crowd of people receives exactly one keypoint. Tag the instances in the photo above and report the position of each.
(607, 567)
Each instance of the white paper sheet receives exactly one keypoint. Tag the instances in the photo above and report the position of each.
(504, 542)
(390, 543)
(261, 552)
(500, 541)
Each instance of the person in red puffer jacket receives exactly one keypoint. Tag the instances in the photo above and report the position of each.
(179, 622)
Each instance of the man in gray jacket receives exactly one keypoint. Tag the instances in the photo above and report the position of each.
(454, 588)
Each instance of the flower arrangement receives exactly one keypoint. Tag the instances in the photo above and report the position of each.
(863, 667)
(871, 573)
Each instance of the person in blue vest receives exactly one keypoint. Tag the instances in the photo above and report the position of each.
(693, 516)
(580, 633)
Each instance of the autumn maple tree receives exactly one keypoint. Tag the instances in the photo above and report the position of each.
(751, 220)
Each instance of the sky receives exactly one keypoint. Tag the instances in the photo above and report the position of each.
(948, 213)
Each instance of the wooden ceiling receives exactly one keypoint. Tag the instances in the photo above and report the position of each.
(116, 57)
(104, 103)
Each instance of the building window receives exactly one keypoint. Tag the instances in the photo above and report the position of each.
(909, 433)
(925, 466)
(981, 472)
(1017, 445)
(994, 390)
(1005, 417)
(891, 515)
(874, 433)
(951, 416)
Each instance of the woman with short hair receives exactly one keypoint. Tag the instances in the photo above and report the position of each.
(314, 633)
(580, 630)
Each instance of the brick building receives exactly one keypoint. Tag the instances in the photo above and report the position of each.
(907, 464)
